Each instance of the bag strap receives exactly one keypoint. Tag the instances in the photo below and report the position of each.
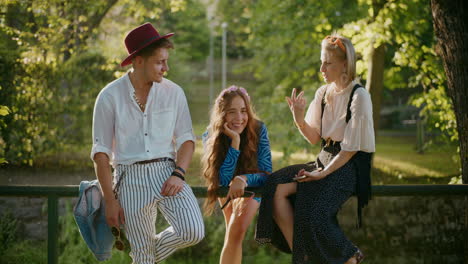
(348, 109)
(323, 109)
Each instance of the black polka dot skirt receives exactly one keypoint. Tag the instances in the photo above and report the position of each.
(317, 236)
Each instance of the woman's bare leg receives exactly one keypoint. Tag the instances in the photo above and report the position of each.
(283, 211)
(237, 222)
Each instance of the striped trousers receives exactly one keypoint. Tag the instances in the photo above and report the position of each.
(140, 197)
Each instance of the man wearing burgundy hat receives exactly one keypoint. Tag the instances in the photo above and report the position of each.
(142, 126)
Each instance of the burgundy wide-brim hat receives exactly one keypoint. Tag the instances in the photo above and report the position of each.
(139, 38)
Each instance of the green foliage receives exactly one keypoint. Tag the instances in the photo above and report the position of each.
(14, 250)
(406, 29)
(437, 108)
(8, 230)
(55, 57)
(25, 252)
(191, 27)
(4, 110)
(72, 247)
(285, 40)
(73, 250)
(39, 43)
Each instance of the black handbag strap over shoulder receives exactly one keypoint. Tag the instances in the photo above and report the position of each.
(362, 161)
(348, 109)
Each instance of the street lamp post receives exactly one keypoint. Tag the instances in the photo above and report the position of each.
(211, 64)
(223, 66)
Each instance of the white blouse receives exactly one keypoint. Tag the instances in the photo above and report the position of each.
(358, 133)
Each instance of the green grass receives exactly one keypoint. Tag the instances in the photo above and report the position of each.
(397, 161)
(400, 153)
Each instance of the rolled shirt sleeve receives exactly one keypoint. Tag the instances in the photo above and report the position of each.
(103, 126)
(359, 132)
(183, 128)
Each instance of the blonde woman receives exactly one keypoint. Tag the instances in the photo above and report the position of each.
(304, 199)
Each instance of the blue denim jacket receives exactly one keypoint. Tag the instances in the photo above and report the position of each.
(90, 216)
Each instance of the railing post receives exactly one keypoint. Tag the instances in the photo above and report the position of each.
(52, 229)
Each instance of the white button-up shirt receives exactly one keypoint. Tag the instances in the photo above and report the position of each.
(127, 135)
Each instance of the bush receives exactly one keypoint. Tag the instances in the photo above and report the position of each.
(12, 250)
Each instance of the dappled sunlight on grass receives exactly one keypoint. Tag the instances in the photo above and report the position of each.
(397, 158)
(194, 173)
(405, 167)
(296, 158)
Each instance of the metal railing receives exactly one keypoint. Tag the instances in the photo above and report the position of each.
(53, 193)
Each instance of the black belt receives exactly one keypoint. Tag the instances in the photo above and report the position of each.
(154, 160)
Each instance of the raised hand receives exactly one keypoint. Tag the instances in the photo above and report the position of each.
(297, 105)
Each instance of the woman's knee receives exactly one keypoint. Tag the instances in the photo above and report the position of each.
(284, 190)
(236, 232)
(239, 225)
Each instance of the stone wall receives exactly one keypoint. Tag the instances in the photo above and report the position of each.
(410, 229)
(395, 229)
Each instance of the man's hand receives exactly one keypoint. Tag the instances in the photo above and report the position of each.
(114, 213)
(172, 186)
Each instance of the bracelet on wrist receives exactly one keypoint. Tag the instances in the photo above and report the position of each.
(242, 179)
(181, 169)
(178, 175)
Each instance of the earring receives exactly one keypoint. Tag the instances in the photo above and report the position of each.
(344, 77)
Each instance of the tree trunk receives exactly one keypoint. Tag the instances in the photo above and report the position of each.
(375, 81)
(451, 30)
(75, 40)
(375, 71)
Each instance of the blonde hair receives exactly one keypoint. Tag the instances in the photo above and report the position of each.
(217, 144)
(349, 55)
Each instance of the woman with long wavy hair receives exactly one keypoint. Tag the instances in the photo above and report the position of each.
(237, 154)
